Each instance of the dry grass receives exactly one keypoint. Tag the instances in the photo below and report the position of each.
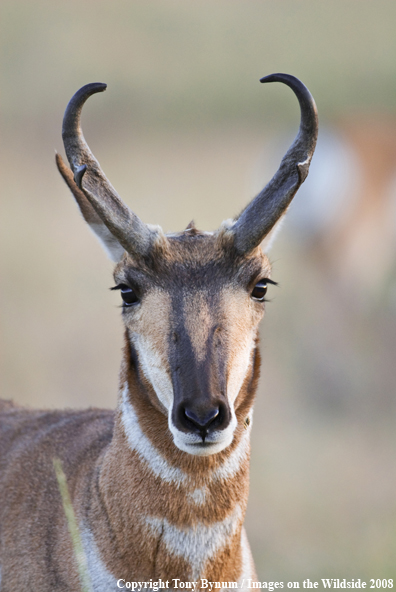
(74, 531)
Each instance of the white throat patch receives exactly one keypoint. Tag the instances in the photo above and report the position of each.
(196, 545)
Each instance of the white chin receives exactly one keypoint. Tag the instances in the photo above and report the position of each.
(193, 445)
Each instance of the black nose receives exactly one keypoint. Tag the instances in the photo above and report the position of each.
(204, 421)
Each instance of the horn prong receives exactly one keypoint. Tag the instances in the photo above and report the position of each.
(78, 174)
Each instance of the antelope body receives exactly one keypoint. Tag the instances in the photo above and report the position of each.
(159, 487)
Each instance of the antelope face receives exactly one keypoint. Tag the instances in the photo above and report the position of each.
(192, 322)
(192, 301)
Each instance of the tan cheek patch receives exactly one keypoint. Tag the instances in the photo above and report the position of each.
(242, 318)
(149, 327)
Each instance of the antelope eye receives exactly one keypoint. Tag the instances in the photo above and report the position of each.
(128, 295)
(259, 291)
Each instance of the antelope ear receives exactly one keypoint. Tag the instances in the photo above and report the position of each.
(110, 244)
(269, 239)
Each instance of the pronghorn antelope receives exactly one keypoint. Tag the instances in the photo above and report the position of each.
(159, 486)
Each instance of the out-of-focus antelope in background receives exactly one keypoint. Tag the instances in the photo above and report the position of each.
(160, 486)
(344, 228)
(359, 240)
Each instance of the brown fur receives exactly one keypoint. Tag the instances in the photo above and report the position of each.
(160, 487)
(112, 488)
(35, 551)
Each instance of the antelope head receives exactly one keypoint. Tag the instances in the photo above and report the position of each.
(192, 301)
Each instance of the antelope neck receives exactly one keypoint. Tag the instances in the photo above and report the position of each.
(156, 500)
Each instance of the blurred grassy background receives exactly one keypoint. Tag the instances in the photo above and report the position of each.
(186, 131)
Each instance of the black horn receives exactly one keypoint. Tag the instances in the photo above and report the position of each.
(259, 217)
(130, 231)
